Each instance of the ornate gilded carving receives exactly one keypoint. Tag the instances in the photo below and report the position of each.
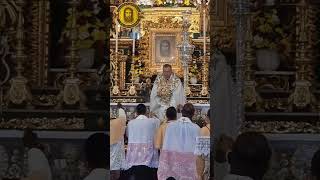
(155, 21)
(115, 58)
(281, 127)
(44, 123)
(40, 11)
(132, 90)
(4, 52)
(205, 76)
(249, 94)
(45, 100)
(18, 92)
(302, 96)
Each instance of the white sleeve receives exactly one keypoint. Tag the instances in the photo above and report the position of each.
(154, 99)
(179, 94)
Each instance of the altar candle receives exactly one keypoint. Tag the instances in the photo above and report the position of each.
(133, 45)
(117, 37)
(204, 32)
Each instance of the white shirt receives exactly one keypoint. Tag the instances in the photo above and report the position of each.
(98, 174)
(181, 136)
(38, 163)
(141, 150)
(142, 129)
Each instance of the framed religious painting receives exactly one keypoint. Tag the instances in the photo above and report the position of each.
(163, 48)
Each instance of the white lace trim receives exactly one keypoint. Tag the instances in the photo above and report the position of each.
(202, 145)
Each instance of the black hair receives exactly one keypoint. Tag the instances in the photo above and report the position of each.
(188, 110)
(315, 165)
(96, 150)
(170, 178)
(208, 113)
(171, 113)
(141, 109)
(250, 151)
(167, 66)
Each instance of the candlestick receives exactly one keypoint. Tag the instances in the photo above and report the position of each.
(133, 46)
(204, 32)
(117, 37)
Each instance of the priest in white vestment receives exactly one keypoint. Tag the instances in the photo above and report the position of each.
(177, 158)
(167, 91)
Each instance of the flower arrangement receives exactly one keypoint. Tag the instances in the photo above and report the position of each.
(137, 67)
(193, 71)
(268, 32)
(91, 28)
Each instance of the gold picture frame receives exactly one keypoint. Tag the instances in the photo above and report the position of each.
(163, 48)
(157, 21)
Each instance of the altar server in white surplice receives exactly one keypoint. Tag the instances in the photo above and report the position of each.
(167, 91)
(177, 158)
(141, 153)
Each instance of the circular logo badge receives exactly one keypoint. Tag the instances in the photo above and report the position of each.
(128, 15)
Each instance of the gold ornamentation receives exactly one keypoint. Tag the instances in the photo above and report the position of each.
(160, 20)
(302, 95)
(166, 87)
(204, 91)
(115, 90)
(128, 15)
(281, 127)
(45, 100)
(44, 123)
(188, 91)
(125, 100)
(205, 76)
(18, 92)
(132, 90)
(71, 93)
(250, 96)
(40, 13)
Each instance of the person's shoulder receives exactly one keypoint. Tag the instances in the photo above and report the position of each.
(154, 120)
(195, 126)
(204, 131)
(132, 121)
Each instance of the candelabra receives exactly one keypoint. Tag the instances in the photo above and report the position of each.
(302, 95)
(18, 92)
(71, 93)
(186, 49)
